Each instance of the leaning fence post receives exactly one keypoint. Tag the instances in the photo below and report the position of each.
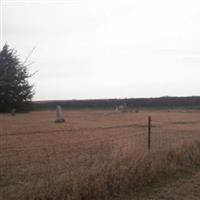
(149, 132)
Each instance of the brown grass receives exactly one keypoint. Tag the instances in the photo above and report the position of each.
(94, 155)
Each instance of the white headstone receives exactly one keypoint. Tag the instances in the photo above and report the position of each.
(59, 115)
(122, 108)
(13, 112)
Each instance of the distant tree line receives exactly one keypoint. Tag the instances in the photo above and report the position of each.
(162, 102)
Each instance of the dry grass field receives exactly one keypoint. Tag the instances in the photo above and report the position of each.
(95, 154)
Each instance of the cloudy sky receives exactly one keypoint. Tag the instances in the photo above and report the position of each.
(107, 48)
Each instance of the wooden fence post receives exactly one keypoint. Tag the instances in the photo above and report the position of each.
(149, 132)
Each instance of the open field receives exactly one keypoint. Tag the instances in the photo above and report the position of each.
(94, 153)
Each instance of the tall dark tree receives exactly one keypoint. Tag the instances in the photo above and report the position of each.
(15, 90)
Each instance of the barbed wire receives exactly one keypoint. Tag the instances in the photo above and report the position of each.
(128, 140)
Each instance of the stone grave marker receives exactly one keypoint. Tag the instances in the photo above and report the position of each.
(59, 115)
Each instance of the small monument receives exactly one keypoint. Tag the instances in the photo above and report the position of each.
(13, 112)
(122, 108)
(59, 115)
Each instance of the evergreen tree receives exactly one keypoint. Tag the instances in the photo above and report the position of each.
(15, 90)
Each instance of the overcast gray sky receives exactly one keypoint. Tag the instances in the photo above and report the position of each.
(107, 48)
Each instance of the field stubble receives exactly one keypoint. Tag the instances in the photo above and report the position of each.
(94, 155)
